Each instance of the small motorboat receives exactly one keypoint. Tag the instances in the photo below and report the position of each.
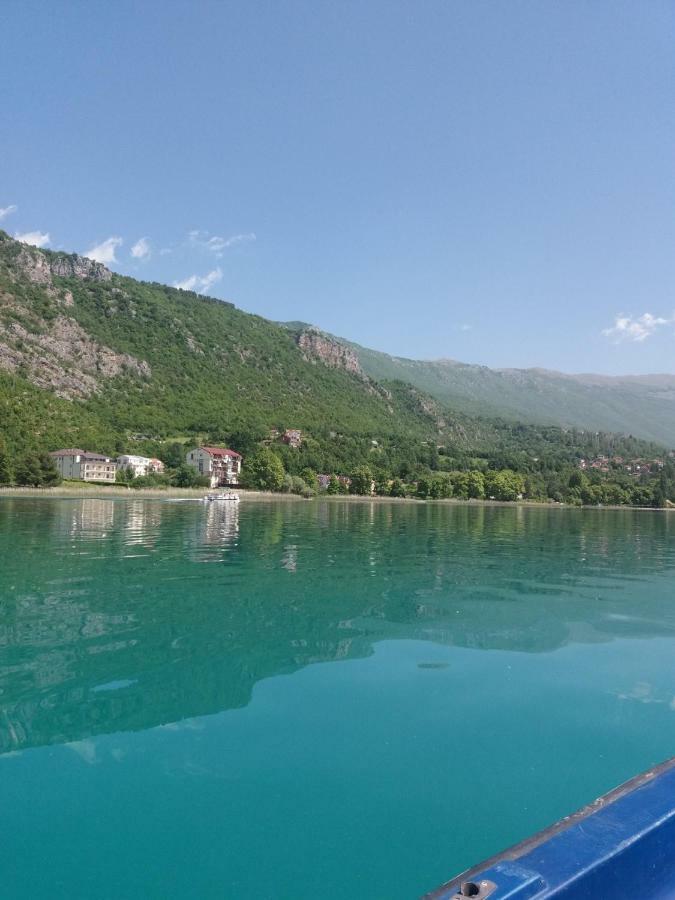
(222, 496)
(618, 847)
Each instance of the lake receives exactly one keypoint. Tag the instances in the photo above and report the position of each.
(334, 699)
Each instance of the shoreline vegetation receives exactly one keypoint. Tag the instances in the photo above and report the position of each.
(82, 490)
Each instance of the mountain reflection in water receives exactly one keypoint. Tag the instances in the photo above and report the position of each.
(119, 615)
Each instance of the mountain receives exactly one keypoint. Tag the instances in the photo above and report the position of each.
(96, 359)
(640, 405)
(89, 357)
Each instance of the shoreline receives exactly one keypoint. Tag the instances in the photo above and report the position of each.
(105, 491)
(101, 492)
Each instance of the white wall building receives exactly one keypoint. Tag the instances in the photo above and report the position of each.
(220, 465)
(85, 466)
(140, 465)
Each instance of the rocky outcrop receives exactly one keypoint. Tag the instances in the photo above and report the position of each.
(428, 406)
(39, 267)
(317, 346)
(61, 357)
(73, 266)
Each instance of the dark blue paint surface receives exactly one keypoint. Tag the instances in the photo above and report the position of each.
(620, 847)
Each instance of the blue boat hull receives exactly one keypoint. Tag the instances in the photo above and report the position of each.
(620, 846)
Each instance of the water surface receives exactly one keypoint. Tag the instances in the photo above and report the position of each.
(291, 700)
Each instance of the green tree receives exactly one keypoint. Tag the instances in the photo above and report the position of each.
(124, 475)
(300, 486)
(475, 485)
(423, 488)
(245, 441)
(660, 492)
(5, 469)
(49, 474)
(333, 486)
(173, 455)
(460, 485)
(362, 481)
(187, 477)
(28, 471)
(615, 494)
(264, 471)
(382, 486)
(504, 485)
(309, 477)
(397, 488)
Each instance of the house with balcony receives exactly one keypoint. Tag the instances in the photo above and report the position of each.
(84, 466)
(220, 465)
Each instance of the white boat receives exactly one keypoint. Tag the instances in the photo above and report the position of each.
(228, 496)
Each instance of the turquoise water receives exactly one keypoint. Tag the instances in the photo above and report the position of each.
(292, 700)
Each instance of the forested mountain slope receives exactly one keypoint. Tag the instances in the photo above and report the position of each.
(95, 359)
(90, 357)
(639, 405)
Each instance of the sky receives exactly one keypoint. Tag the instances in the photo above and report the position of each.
(492, 182)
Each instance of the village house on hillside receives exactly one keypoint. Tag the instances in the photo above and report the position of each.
(140, 465)
(220, 465)
(635, 467)
(343, 480)
(84, 466)
(292, 437)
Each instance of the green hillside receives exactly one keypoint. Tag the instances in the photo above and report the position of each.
(90, 357)
(643, 406)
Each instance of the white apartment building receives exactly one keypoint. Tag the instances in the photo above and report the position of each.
(85, 466)
(139, 465)
(220, 465)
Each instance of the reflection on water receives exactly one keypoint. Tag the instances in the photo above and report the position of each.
(184, 684)
(215, 532)
(110, 621)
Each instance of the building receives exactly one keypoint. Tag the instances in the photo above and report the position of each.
(140, 465)
(220, 465)
(343, 480)
(84, 466)
(292, 437)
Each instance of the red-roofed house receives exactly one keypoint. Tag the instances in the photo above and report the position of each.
(220, 465)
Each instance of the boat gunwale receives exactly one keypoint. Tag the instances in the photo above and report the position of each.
(517, 851)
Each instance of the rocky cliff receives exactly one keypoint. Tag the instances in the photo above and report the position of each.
(59, 355)
(39, 341)
(38, 268)
(316, 345)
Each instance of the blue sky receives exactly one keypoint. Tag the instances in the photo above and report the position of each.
(487, 181)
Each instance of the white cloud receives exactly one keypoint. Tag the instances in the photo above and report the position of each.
(141, 249)
(105, 251)
(36, 238)
(7, 210)
(216, 244)
(638, 328)
(465, 327)
(201, 284)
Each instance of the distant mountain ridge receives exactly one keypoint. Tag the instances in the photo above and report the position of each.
(642, 405)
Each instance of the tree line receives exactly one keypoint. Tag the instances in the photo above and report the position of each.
(536, 463)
